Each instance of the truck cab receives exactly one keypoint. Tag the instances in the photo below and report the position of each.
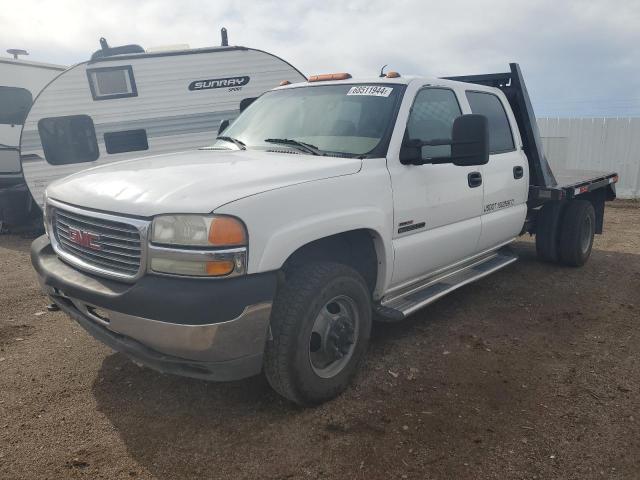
(324, 205)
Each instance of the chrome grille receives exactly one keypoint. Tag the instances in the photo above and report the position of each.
(105, 246)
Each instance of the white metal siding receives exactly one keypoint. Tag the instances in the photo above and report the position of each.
(599, 144)
(30, 76)
(174, 118)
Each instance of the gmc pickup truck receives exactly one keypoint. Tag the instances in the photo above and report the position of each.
(323, 205)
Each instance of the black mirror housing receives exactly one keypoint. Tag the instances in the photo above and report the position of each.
(411, 152)
(470, 140)
(223, 126)
(245, 102)
(469, 144)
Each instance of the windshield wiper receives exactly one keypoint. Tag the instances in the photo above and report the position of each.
(307, 147)
(235, 141)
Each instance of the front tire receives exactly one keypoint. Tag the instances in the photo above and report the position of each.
(321, 324)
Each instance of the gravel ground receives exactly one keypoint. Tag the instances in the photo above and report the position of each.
(531, 373)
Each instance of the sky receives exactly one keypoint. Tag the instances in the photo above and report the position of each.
(579, 58)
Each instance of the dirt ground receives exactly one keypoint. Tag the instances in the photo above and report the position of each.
(531, 373)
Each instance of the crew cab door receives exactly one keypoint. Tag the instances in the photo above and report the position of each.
(506, 176)
(437, 208)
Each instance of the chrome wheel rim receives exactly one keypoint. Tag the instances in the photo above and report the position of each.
(586, 234)
(334, 336)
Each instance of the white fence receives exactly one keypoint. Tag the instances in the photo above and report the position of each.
(600, 144)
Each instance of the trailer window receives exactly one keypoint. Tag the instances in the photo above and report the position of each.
(70, 139)
(489, 105)
(126, 141)
(432, 116)
(112, 82)
(14, 105)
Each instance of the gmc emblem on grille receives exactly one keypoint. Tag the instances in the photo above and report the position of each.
(84, 239)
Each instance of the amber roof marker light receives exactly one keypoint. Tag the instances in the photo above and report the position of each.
(285, 82)
(393, 74)
(326, 77)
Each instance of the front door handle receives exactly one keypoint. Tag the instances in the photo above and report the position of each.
(518, 172)
(474, 179)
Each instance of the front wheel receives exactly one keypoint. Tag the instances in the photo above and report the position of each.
(321, 324)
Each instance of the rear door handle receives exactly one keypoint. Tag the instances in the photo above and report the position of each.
(518, 172)
(474, 179)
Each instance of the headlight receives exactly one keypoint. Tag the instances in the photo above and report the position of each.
(217, 246)
(198, 231)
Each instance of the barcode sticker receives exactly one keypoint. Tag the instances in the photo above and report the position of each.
(371, 90)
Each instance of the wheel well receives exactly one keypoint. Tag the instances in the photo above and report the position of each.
(597, 199)
(355, 248)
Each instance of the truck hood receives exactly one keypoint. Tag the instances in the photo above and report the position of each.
(192, 182)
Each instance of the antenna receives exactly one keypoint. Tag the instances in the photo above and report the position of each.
(225, 39)
(17, 51)
(382, 74)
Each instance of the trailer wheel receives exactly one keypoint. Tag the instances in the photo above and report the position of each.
(577, 232)
(547, 231)
(321, 323)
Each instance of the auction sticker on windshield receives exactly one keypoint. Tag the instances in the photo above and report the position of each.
(371, 90)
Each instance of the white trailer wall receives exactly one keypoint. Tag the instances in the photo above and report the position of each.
(599, 144)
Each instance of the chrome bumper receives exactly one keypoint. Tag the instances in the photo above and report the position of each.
(223, 351)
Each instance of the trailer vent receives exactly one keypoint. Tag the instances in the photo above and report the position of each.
(103, 246)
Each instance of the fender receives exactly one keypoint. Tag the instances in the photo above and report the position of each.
(281, 221)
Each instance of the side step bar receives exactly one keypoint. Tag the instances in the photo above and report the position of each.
(399, 305)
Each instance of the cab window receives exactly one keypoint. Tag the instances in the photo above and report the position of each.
(432, 115)
(489, 105)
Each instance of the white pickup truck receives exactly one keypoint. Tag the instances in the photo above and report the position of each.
(324, 204)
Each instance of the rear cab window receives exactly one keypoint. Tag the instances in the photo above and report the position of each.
(489, 105)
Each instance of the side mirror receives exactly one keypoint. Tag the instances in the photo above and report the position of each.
(470, 140)
(245, 102)
(469, 144)
(223, 126)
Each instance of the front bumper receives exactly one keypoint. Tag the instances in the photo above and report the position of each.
(213, 329)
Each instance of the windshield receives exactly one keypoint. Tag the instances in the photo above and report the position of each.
(321, 120)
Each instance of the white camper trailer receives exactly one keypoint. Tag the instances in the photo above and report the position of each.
(127, 103)
(20, 82)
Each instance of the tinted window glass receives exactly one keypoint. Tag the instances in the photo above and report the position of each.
(112, 82)
(14, 105)
(500, 138)
(344, 119)
(69, 139)
(432, 116)
(126, 141)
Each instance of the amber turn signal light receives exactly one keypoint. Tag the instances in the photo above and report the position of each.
(325, 77)
(219, 267)
(227, 231)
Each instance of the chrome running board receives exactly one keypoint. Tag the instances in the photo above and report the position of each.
(399, 305)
